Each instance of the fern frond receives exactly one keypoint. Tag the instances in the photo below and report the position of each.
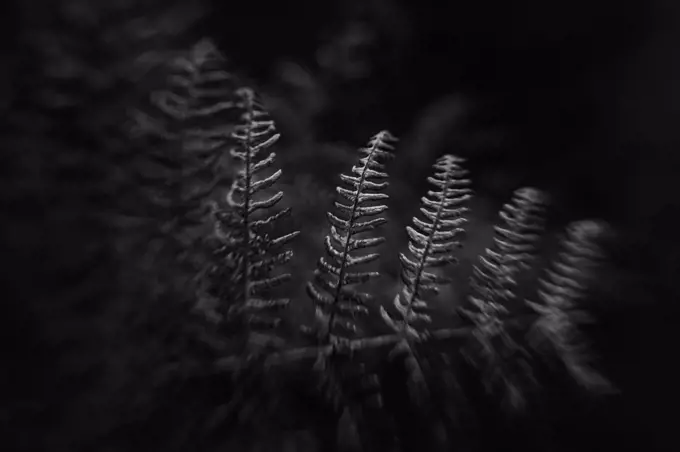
(336, 301)
(201, 101)
(256, 254)
(561, 289)
(513, 249)
(184, 141)
(202, 85)
(185, 149)
(432, 244)
(504, 361)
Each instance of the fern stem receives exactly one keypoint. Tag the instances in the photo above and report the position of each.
(345, 250)
(246, 196)
(423, 258)
(336, 303)
(432, 244)
(231, 363)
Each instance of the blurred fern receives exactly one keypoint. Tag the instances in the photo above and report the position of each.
(100, 338)
(205, 113)
(186, 133)
(562, 289)
(253, 252)
(505, 362)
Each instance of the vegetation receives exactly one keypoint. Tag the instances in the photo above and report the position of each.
(161, 226)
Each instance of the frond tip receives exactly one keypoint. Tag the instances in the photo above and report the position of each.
(432, 244)
(207, 88)
(514, 248)
(336, 301)
(561, 289)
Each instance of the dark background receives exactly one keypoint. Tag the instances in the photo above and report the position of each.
(582, 91)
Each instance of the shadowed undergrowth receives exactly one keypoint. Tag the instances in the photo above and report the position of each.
(174, 319)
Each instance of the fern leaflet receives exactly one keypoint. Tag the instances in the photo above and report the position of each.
(201, 102)
(256, 253)
(513, 250)
(184, 141)
(562, 287)
(336, 301)
(493, 282)
(432, 243)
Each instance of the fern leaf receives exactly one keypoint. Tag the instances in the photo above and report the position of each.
(207, 87)
(432, 244)
(198, 100)
(513, 249)
(561, 289)
(337, 301)
(504, 362)
(255, 255)
(184, 140)
(202, 97)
